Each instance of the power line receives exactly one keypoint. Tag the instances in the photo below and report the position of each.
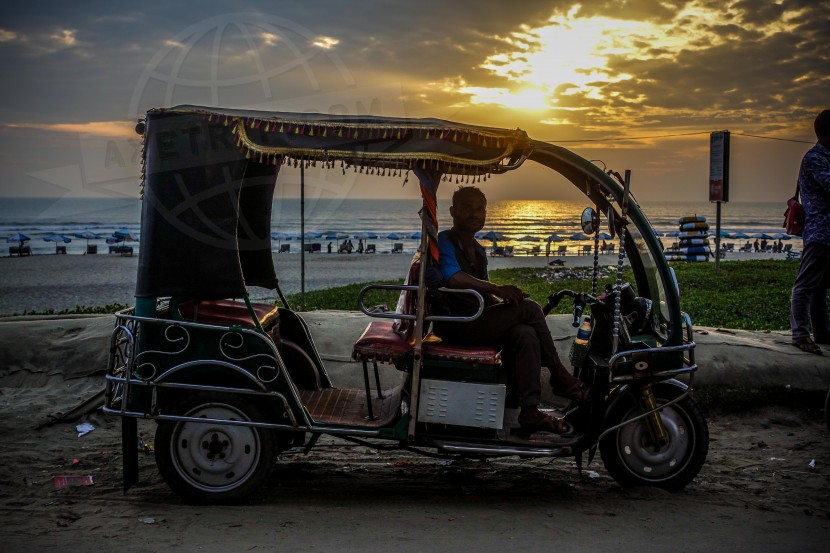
(772, 138)
(621, 138)
(629, 137)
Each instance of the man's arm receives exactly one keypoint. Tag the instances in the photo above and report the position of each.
(465, 280)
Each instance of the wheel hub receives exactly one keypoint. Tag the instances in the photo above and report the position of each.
(648, 460)
(215, 456)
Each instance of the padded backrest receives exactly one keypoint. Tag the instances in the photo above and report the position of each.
(407, 300)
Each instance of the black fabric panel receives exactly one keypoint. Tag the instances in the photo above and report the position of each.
(189, 213)
(254, 228)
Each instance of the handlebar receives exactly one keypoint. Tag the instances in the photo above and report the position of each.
(580, 301)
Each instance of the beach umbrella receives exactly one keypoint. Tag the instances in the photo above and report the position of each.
(415, 235)
(579, 236)
(740, 235)
(761, 235)
(114, 240)
(658, 233)
(87, 235)
(279, 237)
(361, 236)
(125, 234)
(724, 234)
(392, 236)
(781, 236)
(493, 235)
(18, 237)
(57, 238)
(527, 238)
(673, 234)
(555, 238)
(605, 236)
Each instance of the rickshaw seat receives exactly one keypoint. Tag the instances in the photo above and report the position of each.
(227, 312)
(380, 343)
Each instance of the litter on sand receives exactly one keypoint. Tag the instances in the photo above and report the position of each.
(66, 481)
(84, 429)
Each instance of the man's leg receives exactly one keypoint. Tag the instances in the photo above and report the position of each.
(818, 304)
(522, 342)
(808, 283)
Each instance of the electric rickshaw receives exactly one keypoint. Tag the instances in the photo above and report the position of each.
(232, 383)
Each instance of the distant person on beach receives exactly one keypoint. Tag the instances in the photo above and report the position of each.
(515, 324)
(360, 245)
(329, 247)
(756, 245)
(809, 298)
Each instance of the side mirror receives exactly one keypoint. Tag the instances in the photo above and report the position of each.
(589, 221)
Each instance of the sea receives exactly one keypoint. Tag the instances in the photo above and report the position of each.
(382, 222)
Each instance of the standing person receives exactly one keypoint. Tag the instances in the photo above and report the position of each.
(516, 324)
(809, 298)
(756, 246)
(360, 246)
(329, 247)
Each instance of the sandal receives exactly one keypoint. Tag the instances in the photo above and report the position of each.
(542, 422)
(578, 391)
(807, 344)
(565, 384)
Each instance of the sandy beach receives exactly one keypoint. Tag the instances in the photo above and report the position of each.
(60, 282)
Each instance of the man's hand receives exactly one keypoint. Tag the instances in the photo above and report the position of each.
(510, 293)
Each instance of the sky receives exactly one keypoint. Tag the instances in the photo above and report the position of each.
(633, 84)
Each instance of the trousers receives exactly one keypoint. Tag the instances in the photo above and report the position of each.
(809, 298)
(519, 328)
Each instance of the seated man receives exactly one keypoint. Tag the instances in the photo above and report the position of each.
(516, 324)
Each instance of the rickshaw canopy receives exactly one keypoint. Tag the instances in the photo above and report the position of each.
(209, 178)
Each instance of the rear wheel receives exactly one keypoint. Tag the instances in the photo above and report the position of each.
(633, 459)
(212, 462)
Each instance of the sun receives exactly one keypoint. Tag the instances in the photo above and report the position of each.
(568, 58)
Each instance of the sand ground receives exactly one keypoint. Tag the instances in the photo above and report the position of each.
(763, 487)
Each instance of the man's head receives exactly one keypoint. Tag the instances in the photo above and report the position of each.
(468, 209)
(822, 127)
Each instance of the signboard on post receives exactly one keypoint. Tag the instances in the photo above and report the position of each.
(719, 166)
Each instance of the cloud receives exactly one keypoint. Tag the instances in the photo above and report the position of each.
(42, 43)
(325, 42)
(105, 129)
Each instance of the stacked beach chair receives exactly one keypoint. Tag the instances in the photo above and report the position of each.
(692, 240)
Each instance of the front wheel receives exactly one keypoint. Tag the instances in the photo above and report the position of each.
(630, 455)
(212, 462)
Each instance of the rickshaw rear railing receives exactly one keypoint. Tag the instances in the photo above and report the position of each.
(127, 382)
(123, 365)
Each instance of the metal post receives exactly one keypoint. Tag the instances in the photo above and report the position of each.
(302, 236)
(717, 235)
